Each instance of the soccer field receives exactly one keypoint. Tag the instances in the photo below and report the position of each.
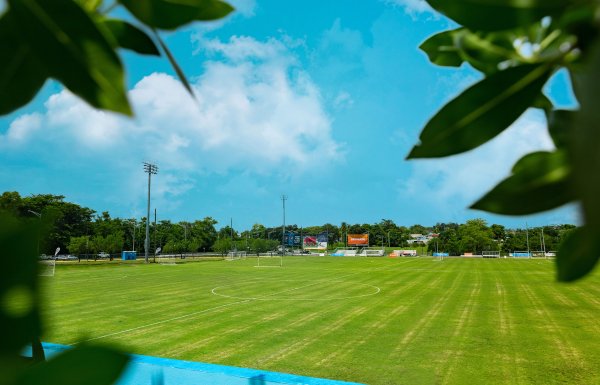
(371, 320)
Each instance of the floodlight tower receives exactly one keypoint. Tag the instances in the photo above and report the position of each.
(150, 169)
(283, 199)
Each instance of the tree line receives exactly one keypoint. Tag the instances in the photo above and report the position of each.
(80, 230)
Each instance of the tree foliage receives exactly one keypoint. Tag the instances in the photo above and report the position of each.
(77, 43)
(518, 46)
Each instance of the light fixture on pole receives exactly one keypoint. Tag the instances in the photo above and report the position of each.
(150, 169)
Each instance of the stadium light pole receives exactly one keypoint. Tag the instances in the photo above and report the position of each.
(150, 169)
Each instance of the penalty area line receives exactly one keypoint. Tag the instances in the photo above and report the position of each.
(163, 321)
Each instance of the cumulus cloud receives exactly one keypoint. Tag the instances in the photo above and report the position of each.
(245, 7)
(256, 111)
(413, 7)
(449, 185)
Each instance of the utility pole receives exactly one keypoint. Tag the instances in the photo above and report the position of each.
(150, 169)
(283, 199)
(39, 215)
(134, 228)
(233, 246)
(543, 242)
(527, 235)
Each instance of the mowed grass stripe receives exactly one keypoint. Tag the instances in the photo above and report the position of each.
(385, 317)
(497, 321)
(504, 348)
(462, 333)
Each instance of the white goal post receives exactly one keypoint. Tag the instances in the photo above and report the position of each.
(275, 260)
(46, 267)
(490, 254)
(235, 255)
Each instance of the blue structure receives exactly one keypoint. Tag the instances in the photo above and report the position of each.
(440, 254)
(145, 370)
(129, 255)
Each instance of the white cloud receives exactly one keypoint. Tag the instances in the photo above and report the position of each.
(256, 111)
(413, 7)
(343, 100)
(22, 129)
(449, 185)
(246, 7)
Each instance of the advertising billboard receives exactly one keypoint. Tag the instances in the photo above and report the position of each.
(322, 241)
(358, 239)
(310, 242)
(291, 239)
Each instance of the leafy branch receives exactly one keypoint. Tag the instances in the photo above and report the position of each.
(518, 46)
(77, 43)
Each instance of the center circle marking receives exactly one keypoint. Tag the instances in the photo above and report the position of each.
(372, 290)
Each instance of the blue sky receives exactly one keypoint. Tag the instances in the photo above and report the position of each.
(317, 100)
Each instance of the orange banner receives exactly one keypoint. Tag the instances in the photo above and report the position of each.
(358, 239)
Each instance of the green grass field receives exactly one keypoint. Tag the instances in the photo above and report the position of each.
(371, 320)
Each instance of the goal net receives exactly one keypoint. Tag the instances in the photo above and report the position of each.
(46, 268)
(490, 254)
(235, 255)
(521, 254)
(269, 261)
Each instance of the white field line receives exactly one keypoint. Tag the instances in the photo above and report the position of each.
(204, 311)
(269, 297)
(164, 321)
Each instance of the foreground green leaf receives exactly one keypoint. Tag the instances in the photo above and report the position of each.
(441, 50)
(178, 70)
(171, 14)
(19, 291)
(584, 143)
(560, 127)
(578, 253)
(482, 111)
(20, 75)
(495, 15)
(540, 181)
(130, 37)
(486, 51)
(71, 48)
(90, 365)
(91, 5)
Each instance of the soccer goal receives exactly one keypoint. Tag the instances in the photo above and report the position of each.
(46, 268)
(235, 255)
(275, 260)
(490, 254)
(521, 254)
